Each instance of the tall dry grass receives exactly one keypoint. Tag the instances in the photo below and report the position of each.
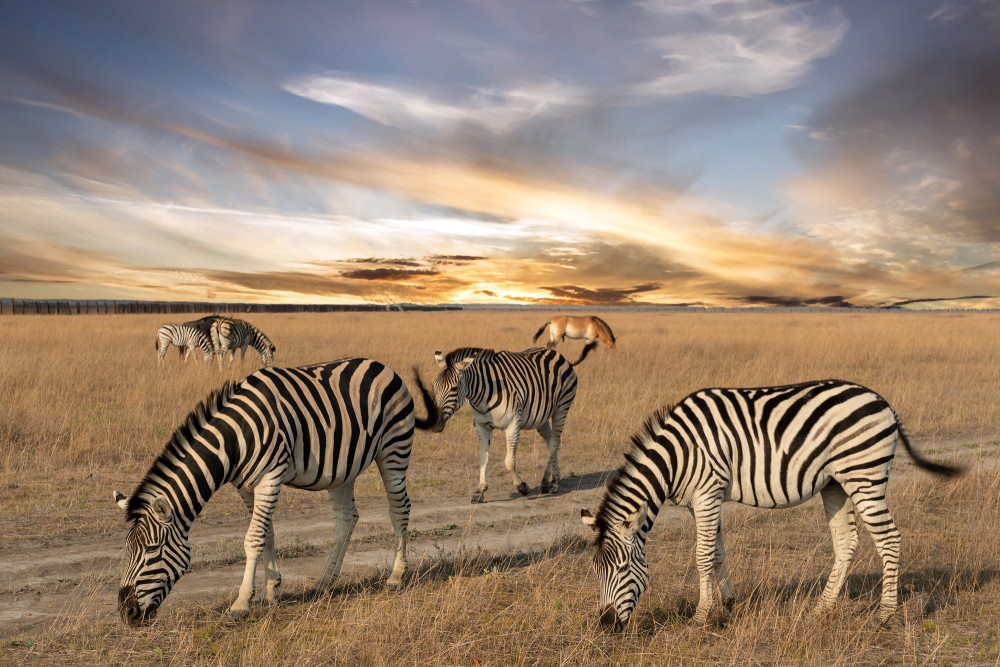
(85, 409)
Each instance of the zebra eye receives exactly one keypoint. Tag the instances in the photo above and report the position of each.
(153, 548)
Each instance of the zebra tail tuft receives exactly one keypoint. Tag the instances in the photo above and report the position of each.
(429, 403)
(937, 468)
(539, 332)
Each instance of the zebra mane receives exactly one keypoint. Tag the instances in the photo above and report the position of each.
(618, 492)
(175, 447)
(465, 352)
(605, 325)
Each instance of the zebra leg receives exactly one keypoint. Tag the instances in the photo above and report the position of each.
(243, 353)
(874, 512)
(550, 478)
(840, 516)
(272, 578)
(394, 481)
(483, 431)
(263, 498)
(706, 513)
(721, 572)
(719, 564)
(345, 514)
(513, 433)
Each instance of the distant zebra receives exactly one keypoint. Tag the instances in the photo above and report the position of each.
(204, 324)
(508, 391)
(228, 334)
(314, 427)
(769, 447)
(185, 338)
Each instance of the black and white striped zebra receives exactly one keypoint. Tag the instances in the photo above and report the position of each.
(314, 427)
(185, 338)
(771, 447)
(508, 391)
(228, 334)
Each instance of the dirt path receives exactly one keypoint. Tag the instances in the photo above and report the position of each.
(42, 582)
(79, 577)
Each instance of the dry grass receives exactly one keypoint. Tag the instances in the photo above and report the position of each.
(85, 409)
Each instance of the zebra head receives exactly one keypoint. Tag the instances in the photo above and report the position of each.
(620, 565)
(449, 387)
(267, 351)
(157, 554)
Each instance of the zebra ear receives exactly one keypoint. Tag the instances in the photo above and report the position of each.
(161, 509)
(438, 357)
(122, 500)
(588, 519)
(630, 526)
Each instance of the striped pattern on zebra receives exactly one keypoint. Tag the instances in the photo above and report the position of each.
(771, 447)
(228, 334)
(314, 427)
(508, 391)
(185, 338)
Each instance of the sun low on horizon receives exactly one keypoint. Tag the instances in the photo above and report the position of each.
(574, 152)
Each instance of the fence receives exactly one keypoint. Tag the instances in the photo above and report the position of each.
(113, 307)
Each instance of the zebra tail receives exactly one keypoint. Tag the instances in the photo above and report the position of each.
(583, 355)
(539, 332)
(429, 403)
(937, 468)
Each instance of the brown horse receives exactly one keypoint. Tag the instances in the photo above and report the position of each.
(588, 327)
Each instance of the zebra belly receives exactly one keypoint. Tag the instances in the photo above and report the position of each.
(779, 494)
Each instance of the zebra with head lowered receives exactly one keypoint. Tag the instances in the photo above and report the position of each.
(228, 334)
(185, 338)
(508, 391)
(772, 447)
(314, 427)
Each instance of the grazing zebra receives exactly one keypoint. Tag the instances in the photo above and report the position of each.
(508, 391)
(204, 324)
(590, 327)
(314, 427)
(229, 334)
(185, 338)
(771, 447)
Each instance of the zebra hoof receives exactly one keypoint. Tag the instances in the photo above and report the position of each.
(522, 488)
(238, 614)
(478, 498)
(553, 489)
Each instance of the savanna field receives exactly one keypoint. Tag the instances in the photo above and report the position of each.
(85, 410)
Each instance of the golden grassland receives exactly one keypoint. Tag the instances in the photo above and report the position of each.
(85, 409)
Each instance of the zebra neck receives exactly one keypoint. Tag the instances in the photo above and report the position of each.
(179, 474)
(647, 477)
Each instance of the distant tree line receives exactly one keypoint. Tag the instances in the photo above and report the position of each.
(115, 307)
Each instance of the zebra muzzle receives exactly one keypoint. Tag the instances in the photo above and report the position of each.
(128, 608)
(610, 620)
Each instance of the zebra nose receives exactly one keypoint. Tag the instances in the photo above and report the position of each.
(610, 620)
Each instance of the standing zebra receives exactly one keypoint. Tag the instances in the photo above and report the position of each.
(229, 334)
(508, 391)
(185, 338)
(313, 427)
(771, 447)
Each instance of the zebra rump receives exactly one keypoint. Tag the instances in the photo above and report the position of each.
(772, 447)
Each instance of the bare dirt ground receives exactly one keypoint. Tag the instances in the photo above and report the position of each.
(42, 581)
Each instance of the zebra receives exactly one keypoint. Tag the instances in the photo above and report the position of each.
(313, 427)
(772, 447)
(508, 391)
(185, 338)
(204, 324)
(228, 334)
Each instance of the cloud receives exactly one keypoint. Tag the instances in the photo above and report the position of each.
(796, 302)
(406, 105)
(738, 48)
(388, 274)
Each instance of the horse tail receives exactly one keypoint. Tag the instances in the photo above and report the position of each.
(539, 332)
(611, 334)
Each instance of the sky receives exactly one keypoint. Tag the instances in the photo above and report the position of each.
(699, 152)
